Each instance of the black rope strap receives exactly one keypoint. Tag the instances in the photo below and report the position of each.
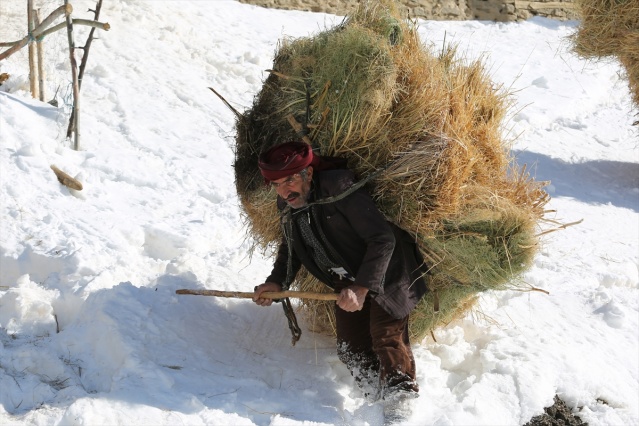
(349, 191)
(296, 331)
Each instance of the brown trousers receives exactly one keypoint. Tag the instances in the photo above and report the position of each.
(374, 344)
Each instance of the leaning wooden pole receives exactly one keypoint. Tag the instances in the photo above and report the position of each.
(76, 88)
(86, 22)
(40, 32)
(265, 295)
(17, 45)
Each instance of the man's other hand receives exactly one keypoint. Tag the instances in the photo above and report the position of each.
(352, 298)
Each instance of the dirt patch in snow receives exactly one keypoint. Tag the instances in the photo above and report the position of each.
(556, 415)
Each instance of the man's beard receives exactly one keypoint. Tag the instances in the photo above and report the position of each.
(293, 195)
(296, 199)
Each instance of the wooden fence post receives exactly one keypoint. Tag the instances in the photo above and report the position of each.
(32, 51)
(40, 49)
(76, 88)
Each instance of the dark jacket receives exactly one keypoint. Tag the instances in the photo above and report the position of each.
(380, 255)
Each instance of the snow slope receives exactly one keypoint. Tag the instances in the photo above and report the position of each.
(92, 332)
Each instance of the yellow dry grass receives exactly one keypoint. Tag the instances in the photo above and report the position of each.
(374, 94)
(610, 29)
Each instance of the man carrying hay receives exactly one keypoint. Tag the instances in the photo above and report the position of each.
(337, 233)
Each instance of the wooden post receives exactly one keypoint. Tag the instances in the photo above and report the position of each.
(40, 49)
(76, 88)
(32, 51)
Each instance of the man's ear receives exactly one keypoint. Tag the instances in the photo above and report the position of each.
(310, 172)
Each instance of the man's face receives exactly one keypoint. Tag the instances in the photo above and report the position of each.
(294, 189)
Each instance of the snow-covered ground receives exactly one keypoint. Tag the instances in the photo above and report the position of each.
(92, 332)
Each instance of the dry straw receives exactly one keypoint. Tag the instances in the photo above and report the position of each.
(610, 29)
(370, 91)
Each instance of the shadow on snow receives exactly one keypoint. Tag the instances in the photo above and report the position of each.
(592, 182)
(147, 346)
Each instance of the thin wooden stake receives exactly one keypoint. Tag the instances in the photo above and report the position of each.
(32, 51)
(40, 50)
(76, 87)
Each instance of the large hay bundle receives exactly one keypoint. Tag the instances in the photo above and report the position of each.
(371, 92)
(610, 28)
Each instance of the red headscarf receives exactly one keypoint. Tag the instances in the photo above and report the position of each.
(286, 159)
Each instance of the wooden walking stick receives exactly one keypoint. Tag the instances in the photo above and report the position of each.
(296, 331)
(265, 295)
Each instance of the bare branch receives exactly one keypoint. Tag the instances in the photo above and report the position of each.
(83, 64)
(88, 23)
(237, 114)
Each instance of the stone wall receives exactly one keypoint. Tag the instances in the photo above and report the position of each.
(455, 10)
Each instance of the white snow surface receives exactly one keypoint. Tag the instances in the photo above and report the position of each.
(92, 332)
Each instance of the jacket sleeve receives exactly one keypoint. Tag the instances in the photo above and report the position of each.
(278, 274)
(371, 226)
